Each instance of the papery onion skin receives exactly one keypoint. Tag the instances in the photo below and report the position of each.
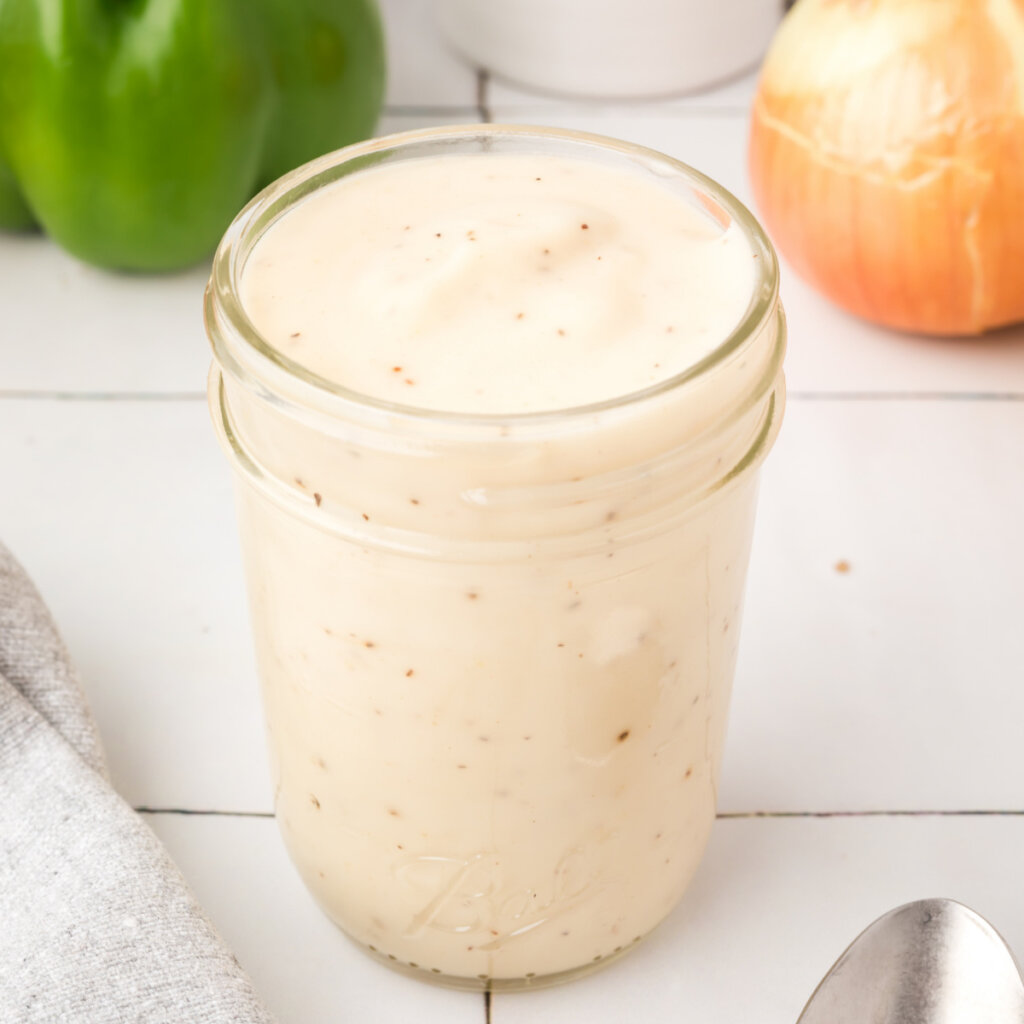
(887, 158)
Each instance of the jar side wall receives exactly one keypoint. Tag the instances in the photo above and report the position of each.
(527, 749)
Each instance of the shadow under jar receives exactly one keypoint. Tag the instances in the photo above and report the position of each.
(496, 647)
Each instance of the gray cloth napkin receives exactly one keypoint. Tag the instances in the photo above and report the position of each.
(96, 923)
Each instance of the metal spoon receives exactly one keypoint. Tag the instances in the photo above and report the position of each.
(929, 962)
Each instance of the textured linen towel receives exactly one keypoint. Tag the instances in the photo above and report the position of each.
(97, 926)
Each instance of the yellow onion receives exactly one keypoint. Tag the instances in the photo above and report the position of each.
(887, 157)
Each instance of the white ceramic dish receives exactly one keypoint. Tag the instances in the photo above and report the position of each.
(611, 48)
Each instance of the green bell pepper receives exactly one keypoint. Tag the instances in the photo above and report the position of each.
(132, 131)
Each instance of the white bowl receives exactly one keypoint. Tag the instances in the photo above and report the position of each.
(611, 48)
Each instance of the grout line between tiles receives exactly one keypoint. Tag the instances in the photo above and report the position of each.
(483, 87)
(894, 813)
(29, 395)
(204, 813)
(906, 396)
(36, 395)
(625, 112)
(721, 816)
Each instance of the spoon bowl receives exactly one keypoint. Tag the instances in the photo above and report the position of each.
(930, 962)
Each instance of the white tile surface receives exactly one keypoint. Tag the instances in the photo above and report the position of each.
(306, 971)
(832, 351)
(122, 513)
(402, 121)
(735, 94)
(71, 327)
(852, 688)
(894, 685)
(774, 904)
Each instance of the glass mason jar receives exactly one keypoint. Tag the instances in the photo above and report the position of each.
(496, 651)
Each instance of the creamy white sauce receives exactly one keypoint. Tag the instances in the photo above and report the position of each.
(497, 283)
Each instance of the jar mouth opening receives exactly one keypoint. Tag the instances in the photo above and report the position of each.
(243, 352)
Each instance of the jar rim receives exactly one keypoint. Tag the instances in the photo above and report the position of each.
(241, 350)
